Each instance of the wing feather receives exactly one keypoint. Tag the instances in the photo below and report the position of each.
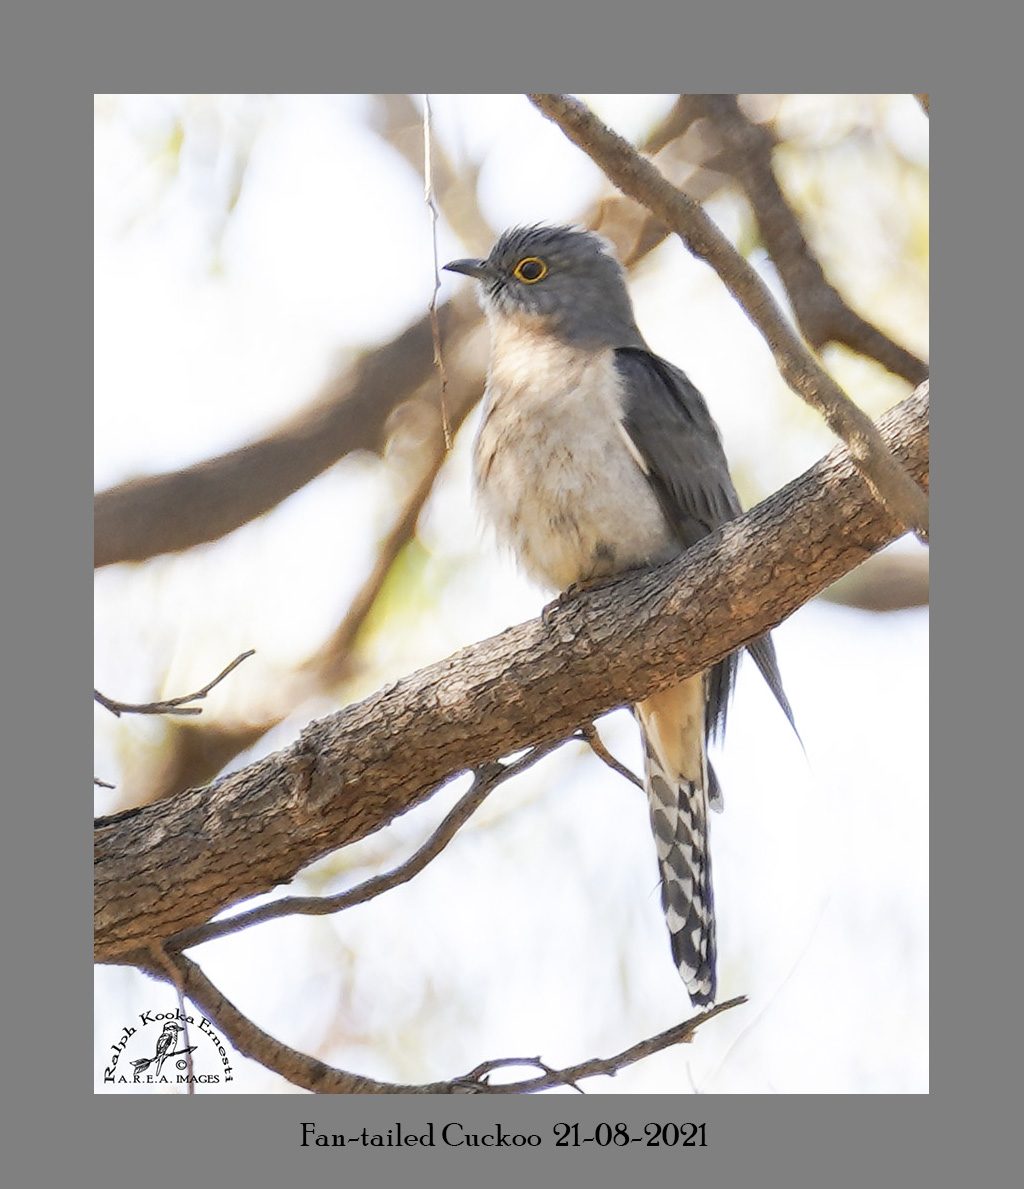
(679, 450)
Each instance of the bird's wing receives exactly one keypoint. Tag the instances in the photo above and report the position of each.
(679, 450)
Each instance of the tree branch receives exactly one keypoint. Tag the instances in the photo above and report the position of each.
(177, 705)
(821, 313)
(590, 733)
(194, 751)
(400, 122)
(640, 179)
(172, 865)
(485, 781)
(320, 1078)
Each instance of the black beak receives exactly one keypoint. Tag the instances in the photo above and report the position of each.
(480, 269)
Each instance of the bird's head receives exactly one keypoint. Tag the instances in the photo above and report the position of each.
(560, 280)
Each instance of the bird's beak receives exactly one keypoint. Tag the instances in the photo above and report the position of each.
(480, 269)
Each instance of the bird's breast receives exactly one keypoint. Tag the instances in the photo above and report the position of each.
(554, 470)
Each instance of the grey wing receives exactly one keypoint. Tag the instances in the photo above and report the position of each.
(668, 422)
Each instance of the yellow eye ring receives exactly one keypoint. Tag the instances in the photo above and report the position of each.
(530, 270)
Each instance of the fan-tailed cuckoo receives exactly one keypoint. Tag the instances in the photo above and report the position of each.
(595, 456)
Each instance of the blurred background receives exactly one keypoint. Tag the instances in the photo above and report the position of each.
(264, 267)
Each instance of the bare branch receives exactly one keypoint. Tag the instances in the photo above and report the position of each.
(169, 866)
(171, 705)
(320, 1078)
(435, 330)
(639, 178)
(485, 781)
(589, 733)
(477, 1078)
(176, 977)
(676, 123)
(195, 753)
(609, 1066)
(821, 313)
(397, 119)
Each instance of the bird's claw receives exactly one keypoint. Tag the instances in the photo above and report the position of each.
(559, 601)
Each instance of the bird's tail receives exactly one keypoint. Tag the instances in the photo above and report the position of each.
(679, 789)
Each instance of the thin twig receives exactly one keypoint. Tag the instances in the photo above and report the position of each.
(102, 784)
(590, 735)
(400, 122)
(158, 951)
(428, 198)
(171, 705)
(641, 179)
(608, 1066)
(320, 1078)
(486, 779)
(478, 1076)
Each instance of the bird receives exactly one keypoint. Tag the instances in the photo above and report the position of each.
(164, 1045)
(595, 456)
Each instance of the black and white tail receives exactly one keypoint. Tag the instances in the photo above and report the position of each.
(680, 789)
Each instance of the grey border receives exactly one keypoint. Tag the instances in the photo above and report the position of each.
(52, 68)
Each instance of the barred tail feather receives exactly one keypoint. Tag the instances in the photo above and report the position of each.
(678, 783)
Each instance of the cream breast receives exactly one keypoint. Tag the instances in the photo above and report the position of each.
(555, 471)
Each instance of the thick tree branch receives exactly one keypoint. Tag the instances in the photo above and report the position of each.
(320, 1078)
(639, 178)
(169, 866)
(194, 752)
(485, 781)
(821, 313)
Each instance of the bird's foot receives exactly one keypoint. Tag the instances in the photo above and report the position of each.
(559, 601)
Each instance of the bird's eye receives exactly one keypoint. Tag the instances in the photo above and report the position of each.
(531, 270)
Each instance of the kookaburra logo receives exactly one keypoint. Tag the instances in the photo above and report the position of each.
(169, 1060)
(164, 1049)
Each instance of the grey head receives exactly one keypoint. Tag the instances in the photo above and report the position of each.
(561, 281)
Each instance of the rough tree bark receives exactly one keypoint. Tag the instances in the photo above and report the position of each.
(174, 864)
